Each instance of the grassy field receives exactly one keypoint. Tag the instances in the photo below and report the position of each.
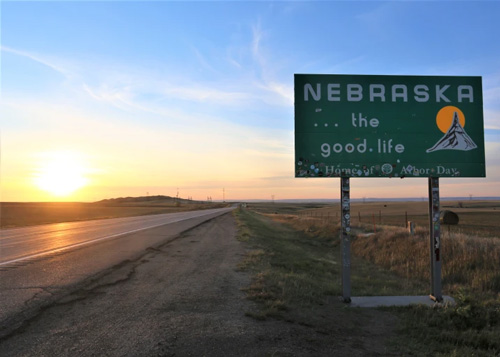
(18, 214)
(479, 218)
(303, 260)
(295, 261)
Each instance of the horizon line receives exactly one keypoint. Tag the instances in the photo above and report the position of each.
(366, 199)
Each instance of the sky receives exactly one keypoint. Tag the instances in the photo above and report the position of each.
(196, 98)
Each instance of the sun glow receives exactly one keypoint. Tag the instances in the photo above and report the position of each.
(60, 173)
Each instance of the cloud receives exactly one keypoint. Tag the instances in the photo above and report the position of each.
(137, 87)
(230, 57)
(492, 119)
(206, 94)
(491, 96)
(491, 153)
(376, 19)
(120, 97)
(282, 93)
(203, 61)
(48, 61)
(257, 36)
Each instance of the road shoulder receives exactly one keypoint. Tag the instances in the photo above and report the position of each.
(184, 298)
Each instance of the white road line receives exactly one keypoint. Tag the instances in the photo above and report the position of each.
(52, 251)
(75, 245)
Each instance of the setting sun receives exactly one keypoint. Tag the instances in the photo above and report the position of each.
(60, 173)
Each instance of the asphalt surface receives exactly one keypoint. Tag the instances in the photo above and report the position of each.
(37, 280)
(142, 306)
(20, 244)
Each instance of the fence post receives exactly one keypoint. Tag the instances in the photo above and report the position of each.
(411, 227)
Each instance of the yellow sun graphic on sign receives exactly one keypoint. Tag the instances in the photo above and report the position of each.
(444, 117)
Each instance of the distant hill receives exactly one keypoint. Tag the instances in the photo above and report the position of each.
(148, 200)
(161, 200)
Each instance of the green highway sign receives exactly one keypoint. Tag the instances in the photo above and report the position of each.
(388, 126)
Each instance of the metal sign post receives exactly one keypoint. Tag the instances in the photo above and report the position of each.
(435, 239)
(345, 240)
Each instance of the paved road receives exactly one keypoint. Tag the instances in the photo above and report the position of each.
(182, 298)
(64, 256)
(20, 244)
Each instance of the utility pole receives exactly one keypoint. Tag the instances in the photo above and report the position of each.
(223, 195)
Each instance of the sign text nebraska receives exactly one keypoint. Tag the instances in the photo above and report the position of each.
(378, 92)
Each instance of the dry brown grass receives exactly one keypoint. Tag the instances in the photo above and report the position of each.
(477, 218)
(391, 262)
(470, 262)
(467, 261)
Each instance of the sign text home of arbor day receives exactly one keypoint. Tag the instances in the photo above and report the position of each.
(388, 126)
